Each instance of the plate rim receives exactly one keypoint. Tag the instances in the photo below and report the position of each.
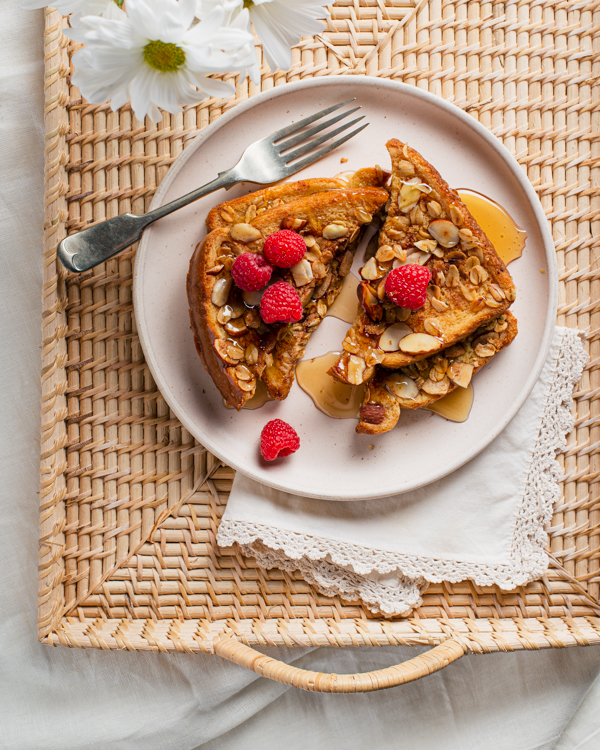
(398, 87)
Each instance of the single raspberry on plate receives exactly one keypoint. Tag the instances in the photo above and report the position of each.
(282, 303)
(251, 271)
(278, 439)
(407, 286)
(285, 248)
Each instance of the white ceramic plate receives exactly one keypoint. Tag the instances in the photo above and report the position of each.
(333, 461)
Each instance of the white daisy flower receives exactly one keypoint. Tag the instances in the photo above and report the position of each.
(79, 8)
(156, 58)
(278, 23)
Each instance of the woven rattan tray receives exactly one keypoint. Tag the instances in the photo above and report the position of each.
(130, 503)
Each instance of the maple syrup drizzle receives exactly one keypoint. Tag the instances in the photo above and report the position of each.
(346, 303)
(260, 397)
(456, 406)
(333, 398)
(507, 238)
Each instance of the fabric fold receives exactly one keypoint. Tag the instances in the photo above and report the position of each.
(484, 522)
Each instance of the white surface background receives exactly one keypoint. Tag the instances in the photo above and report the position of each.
(71, 700)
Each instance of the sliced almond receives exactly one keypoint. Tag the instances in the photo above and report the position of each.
(225, 314)
(460, 373)
(369, 301)
(356, 369)
(436, 388)
(390, 339)
(485, 350)
(243, 373)
(251, 354)
(432, 327)
(236, 327)
(439, 305)
(310, 240)
(478, 275)
(244, 233)
(402, 386)
(452, 277)
(418, 259)
(247, 386)
(374, 357)
(215, 270)
(385, 253)
(419, 343)
(427, 246)
(335, 231)
(405, 168)
(409, 195)
(294, 224)
(434, 209)
(371, 270)
(363, 216)
(302, 273)
(252, 299)
(228, 351)
(220, 291)
(445, 232)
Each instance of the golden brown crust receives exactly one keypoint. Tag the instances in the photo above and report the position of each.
(460, 297)
(473, 352)
(247, 207)
(279, 346)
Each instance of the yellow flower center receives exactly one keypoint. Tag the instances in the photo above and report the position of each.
(164, 56)
(118, 3)
(248, 3)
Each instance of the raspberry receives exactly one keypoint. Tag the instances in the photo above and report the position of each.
(278, 439)
(251, 272)
(281, 302)
(284, 248)
(407, 286)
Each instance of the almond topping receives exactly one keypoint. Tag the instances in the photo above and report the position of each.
(335, 231)
(244, 233)
(445, 232)
(384, 254)
(356, 369)
(302, 272)
(402, 386)
(390, 339)
(460, 373)
(294, 224)
(439, 388)
(371, 270)
(220, 291)
(419, 343)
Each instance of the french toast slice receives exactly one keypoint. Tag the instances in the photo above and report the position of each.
(247, 207)
(235, 345)
(420, 384)
(428, 224)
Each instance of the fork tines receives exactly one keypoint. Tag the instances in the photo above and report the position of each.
(305, 137)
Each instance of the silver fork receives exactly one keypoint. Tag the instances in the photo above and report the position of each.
(265, 161)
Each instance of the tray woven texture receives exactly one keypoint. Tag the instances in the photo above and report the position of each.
(130, 502)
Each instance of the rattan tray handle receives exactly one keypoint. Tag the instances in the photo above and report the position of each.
(432, 661)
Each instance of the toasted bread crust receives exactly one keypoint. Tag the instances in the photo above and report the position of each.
(279, 346)
(460, 305)
(378, 394)
(247, 207)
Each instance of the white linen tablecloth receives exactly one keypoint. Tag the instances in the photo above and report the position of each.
(65, 699)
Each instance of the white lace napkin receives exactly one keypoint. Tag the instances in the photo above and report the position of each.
(484, 522)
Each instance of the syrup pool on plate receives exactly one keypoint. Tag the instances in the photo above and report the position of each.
(456, 406)
(333, 398)
(346, 303)
(507, 238)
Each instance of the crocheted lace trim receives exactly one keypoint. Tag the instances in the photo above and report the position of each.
(390, 583)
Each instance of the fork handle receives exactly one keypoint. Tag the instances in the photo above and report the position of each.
(86, 249)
